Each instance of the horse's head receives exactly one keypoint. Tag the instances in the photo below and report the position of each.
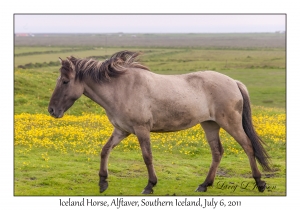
(68, 89)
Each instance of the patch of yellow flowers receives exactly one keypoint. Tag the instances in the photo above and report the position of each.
(89, 132)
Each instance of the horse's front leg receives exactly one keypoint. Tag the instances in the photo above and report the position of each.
(113, 141)
(143, 135)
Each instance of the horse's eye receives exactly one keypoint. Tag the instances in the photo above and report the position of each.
(65, 82)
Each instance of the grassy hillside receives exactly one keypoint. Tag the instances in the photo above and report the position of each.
(263, 72)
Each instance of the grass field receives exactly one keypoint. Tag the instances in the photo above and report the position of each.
(61, 157)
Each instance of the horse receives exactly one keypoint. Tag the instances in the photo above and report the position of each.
(138, 101)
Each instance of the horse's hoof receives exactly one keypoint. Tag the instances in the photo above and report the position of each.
(201, 189)
(261, 186)
(103, 186)
(147, 191)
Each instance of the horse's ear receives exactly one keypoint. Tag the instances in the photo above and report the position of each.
(72, 65)
(60, 60)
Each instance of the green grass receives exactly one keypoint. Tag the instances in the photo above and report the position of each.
(53, 157)
(77, 174)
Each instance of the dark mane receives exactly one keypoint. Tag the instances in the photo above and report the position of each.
(101, 71)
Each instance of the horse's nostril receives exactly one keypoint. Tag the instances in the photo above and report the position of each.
(50, 110)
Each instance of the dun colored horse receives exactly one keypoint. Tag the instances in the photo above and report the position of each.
(138, 101)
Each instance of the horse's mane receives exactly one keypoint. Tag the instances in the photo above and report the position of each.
(101, 71)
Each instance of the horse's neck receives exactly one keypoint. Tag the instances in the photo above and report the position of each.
(101, 93)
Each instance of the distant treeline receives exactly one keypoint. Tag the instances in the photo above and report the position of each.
(38, 65)
(52, 63)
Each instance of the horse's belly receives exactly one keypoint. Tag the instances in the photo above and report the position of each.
(176, 120)
(174, 126)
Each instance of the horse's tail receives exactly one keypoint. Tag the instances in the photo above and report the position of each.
(260, 153)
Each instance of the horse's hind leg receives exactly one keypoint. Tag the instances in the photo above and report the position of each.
(212, 129)
(113, 141)
(238, 133)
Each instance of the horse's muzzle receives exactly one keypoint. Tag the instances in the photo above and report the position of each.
(56, 114)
